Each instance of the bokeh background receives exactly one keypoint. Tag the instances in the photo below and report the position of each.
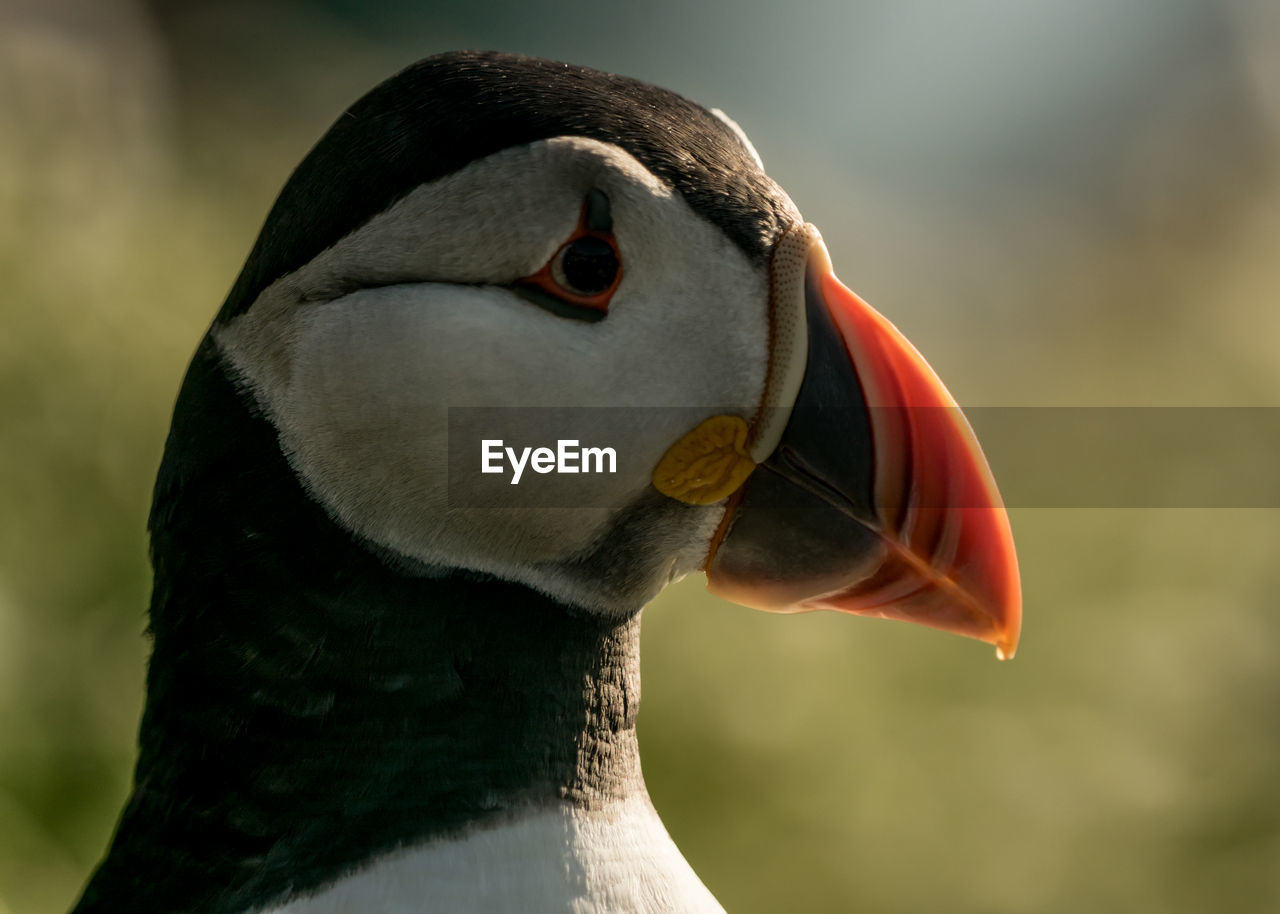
(1061, 202)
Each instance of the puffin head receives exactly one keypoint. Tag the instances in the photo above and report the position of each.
(364, 642)
(486, 237)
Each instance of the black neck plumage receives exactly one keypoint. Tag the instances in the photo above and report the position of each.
(310, 705)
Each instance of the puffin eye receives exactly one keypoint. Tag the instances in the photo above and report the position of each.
(581, 277)
(586, 266)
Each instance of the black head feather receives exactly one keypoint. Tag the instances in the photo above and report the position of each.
(444, 112)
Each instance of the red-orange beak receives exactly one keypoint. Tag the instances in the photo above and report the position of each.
(877, 500)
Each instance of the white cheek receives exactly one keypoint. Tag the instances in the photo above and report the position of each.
(365, 420)
(365, 415)
(694, 322)
(360, 387)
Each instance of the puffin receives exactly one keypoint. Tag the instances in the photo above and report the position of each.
(383, 677)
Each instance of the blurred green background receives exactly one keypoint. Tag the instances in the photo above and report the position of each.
(1061, 202)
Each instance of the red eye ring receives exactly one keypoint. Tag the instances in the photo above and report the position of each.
(590, 254)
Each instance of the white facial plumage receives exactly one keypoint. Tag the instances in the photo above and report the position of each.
(357, 357)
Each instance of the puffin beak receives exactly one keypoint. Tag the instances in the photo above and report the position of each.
(877, 499)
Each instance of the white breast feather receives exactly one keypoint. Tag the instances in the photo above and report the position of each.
(618, 860)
